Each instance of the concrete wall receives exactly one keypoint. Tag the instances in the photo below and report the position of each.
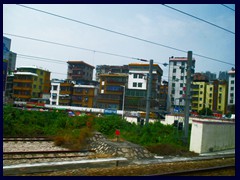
(212, 135)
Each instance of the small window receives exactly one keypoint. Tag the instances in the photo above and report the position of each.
(135, 76)
(134, 84)
(140, 76)
(174, 70)
(139, 84)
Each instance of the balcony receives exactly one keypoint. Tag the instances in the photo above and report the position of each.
(23, 80)
(22, 96)
(22, 88)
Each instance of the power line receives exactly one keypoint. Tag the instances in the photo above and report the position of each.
(65, 45)
(198, 18)
(228, 7)
(112, 54)
(105, 29)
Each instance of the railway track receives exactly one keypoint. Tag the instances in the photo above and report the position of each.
(44, 154)
(26, 139)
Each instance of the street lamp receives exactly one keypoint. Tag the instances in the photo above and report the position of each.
(123, 100)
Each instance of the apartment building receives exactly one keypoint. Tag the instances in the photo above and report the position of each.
(30, 82)
(104, 69)
(79, 70)
(177, 78)
(65, 93)
(84, 95)
(111, 90)
(231, 91)
(136, 92)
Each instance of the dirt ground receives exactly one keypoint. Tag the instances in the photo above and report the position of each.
(151, 169)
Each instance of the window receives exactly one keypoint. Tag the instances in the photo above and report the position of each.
(174, 63)
(139, 84)
(140, 76)
(174, 70)
(232, 88)
(174, 77)
(231, 101)
(210, 95)
(201, 86)
(220, 89)
(55, 88)
(134, 84)
(182, 77)
(210, 88)
(231, 94)
(135, 76)
(210, 101)
(219, 107)
(200, 99)
(173, 84)
(181, 84)
(181, 92)
(232, 82)
(201, 92)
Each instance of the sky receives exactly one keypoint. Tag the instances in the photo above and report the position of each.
(154, 23)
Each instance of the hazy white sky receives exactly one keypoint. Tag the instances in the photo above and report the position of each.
(152, 22)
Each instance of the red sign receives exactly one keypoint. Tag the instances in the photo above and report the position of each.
(117, 132)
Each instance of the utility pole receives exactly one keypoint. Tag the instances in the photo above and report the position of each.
(149, 91)
(187, 97)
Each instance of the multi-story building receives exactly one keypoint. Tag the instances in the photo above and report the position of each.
(9, 88)
(216, 96)
(223, 75)
(6, 50)
(30, 82)
(137, 86)
(79, 70)
(231, 91)
(211, 76)
(12, 61)
(111, 90)
(55, 91)
(65, 94)
(84, 95)
(103, 69)
(163, 96)
(198, 95)
(177, 78)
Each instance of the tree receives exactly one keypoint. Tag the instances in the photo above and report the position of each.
(205, 111)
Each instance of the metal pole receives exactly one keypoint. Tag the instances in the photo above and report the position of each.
(187, 100)
(123, 101)
(149, 90)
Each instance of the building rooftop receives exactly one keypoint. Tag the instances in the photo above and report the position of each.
(33, 67)
(25, 73)
(80, 62)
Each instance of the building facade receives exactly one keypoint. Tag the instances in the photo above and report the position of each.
(111, 90)
(79, 70)
(136, 92)
(84, 96)
(30, 82)
(231, 91)
(177, 78)
(104, 69)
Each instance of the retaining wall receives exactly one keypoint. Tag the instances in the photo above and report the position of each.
(119, 149)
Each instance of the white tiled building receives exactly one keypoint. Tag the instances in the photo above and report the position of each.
(231, 87)
(55, 91)
(177, 78)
